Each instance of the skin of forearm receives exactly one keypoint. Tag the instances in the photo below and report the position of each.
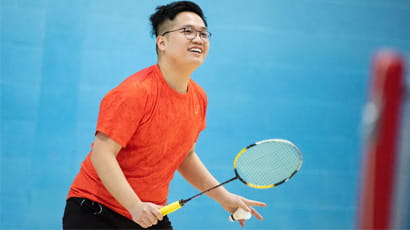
(105, 163)
(195, 172)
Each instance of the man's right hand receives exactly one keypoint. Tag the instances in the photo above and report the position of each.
(146, 214)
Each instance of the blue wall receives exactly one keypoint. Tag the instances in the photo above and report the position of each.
(276, 69)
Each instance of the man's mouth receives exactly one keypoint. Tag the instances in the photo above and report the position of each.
(196, 50)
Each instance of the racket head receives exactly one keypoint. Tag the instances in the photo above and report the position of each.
(268, 163)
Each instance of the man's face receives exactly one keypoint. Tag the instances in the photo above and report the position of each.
(179, 49)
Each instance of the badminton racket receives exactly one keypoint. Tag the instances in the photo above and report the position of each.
(264, 164)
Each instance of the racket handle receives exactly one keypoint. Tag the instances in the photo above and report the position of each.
(171, 208)
(240, 214)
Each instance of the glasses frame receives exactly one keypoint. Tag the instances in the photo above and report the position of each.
(209, 34)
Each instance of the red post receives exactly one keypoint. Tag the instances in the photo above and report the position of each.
(382, 118)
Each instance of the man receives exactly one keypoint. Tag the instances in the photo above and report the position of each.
(146, 130)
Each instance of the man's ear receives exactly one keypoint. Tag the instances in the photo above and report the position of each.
(161, 43)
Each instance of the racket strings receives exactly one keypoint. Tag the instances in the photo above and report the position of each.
(268, 163)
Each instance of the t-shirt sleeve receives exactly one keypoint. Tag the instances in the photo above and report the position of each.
(120, 114)
(204, 105)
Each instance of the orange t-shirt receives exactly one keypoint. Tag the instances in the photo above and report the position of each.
(156, 127)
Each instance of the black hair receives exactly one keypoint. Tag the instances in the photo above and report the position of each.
(170, 11)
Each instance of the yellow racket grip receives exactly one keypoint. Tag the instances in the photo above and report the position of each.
(171, 208)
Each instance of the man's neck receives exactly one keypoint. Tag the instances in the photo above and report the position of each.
(177, 78)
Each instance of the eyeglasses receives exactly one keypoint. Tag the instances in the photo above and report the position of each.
(191, 33)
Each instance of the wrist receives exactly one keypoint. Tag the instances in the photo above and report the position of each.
(222, 195)
(133, 205)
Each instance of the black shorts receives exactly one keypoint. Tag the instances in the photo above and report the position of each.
(81, 213)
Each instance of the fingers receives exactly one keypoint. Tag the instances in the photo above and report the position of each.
(153, 217)
(157, 213)
(252, 210)
(255, 203)
(256, 214)
(146, 221)
(147, 215)
(247, 206)
(242, 222)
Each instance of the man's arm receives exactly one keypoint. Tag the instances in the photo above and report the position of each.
(195, 172)
(103, 158)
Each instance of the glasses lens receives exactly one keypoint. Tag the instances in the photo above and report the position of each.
(192, 33)
(189, 33)
(205, 34)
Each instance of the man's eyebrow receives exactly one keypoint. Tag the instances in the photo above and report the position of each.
(192, 26)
